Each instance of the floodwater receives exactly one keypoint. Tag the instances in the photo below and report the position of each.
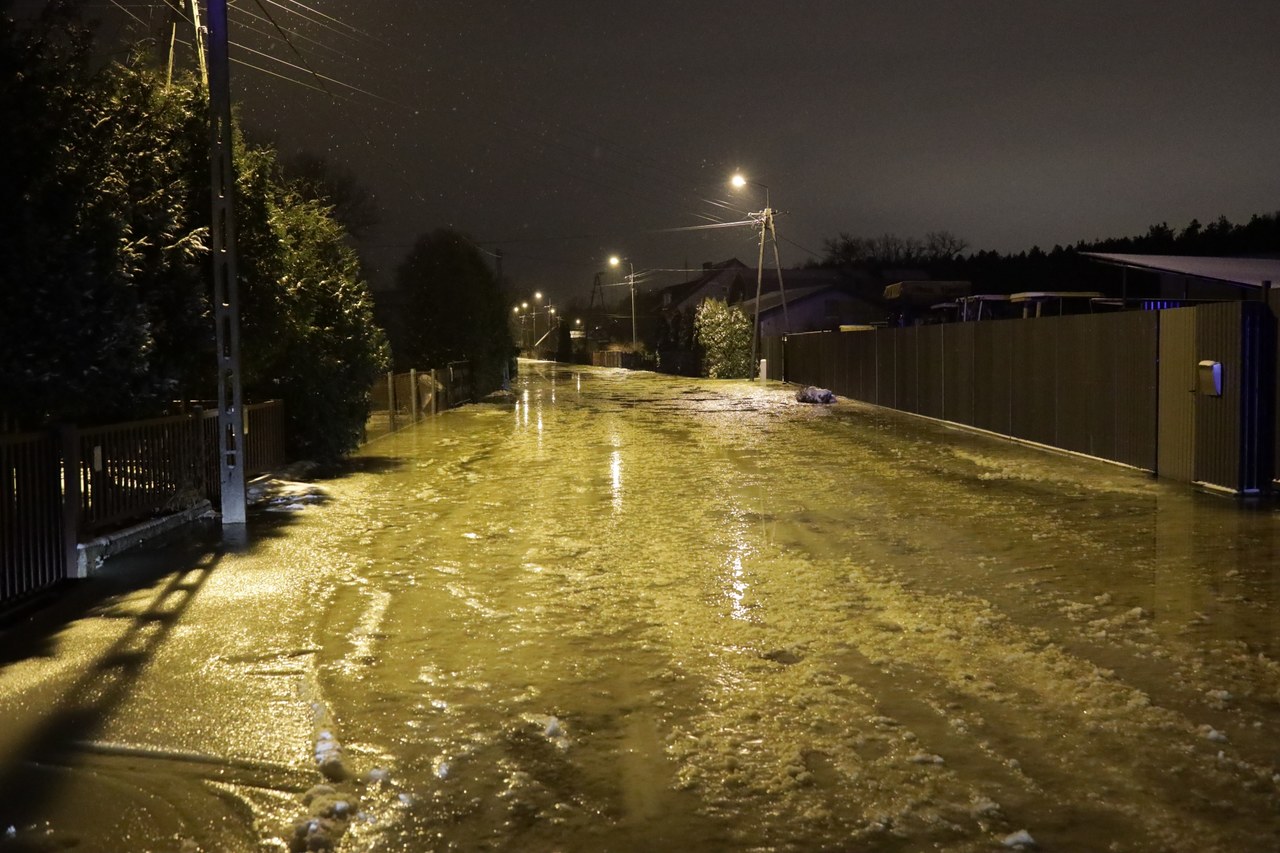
(631, 612)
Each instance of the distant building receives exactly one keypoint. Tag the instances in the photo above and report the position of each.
(812, 308)
(1185, 279)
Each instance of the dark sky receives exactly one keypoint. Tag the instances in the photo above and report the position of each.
(565, 131)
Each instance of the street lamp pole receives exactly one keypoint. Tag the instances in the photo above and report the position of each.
(631, 284)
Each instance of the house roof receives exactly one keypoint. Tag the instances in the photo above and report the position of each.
(676, 294)
(772, 300)
(1248, 272)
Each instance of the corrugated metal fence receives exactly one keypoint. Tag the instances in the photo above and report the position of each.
(1114, 386)
(59, 488)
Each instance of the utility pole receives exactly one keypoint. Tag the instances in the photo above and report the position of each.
(226, 296)
(173, 40)
(764, 218)
(199, 38)
(631, 282)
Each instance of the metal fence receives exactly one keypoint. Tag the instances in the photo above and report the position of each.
(401, 399)
(616, 358)
(1114, 386)
(57, 488)
(266, 434)
(31, 523)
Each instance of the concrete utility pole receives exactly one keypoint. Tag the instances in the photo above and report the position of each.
(226, 295)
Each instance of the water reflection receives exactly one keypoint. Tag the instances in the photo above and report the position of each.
(737, 588)
(874, 617)
(615, 479)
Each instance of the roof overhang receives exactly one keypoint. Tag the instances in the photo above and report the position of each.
(1244, 272)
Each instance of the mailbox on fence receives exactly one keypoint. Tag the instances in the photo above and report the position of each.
(1209, 378)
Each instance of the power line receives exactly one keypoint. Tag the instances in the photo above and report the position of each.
(127, 12)
(349, 32)
(294, 33)
(289, 42)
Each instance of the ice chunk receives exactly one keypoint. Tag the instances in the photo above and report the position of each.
(1019, 840)
(329, 756)
(985, 809)
(1210, 733)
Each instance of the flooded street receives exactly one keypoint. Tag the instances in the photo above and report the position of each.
(631, 612)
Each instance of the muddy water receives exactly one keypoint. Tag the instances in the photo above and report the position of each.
(630, 612)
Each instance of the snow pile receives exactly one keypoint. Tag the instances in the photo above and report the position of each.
(814, 394)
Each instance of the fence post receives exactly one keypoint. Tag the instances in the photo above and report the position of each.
(413, 395)
(69, 438)
(391, 399)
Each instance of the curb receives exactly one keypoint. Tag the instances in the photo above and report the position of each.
(91, 554)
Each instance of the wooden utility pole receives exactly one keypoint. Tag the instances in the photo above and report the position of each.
(226, 297)
(199, 35)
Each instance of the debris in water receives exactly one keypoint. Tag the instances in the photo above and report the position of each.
(786, 657)
(378, 776)
(814, 394)
(553, 728)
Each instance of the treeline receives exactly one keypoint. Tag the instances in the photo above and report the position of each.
(104, 270)
(941, 255)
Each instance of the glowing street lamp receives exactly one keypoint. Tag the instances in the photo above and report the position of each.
(763, 218)
(631, 283)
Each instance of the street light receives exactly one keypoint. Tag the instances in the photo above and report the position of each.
(631, 283)
(763, 218)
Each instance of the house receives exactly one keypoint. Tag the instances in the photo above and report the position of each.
(727, 280)
(811, 308)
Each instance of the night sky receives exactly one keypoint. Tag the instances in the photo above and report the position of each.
(562, 132)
